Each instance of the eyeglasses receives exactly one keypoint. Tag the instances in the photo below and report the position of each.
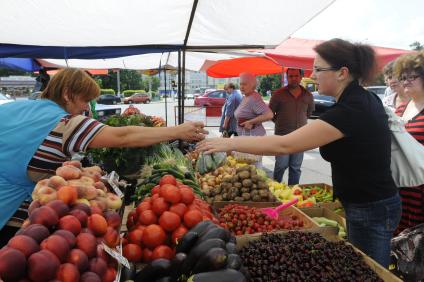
(409, 78)
(318, 69)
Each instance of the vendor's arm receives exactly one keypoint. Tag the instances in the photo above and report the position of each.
(138, 136)
(310, 136)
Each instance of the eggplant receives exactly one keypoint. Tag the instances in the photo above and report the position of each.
(233, 239)
(234, 262)
(214, 259)
(200, 250)
(187, 242)
(176, 266)
(231, 248)
(164, 279)
(128, 274)
(201, 227)
(218, 232)
(155, 270)
(243, 270)
(225, 275)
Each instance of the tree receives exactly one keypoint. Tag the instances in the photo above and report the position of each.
(8, 72)
(130, 80)
(416, 46)
(269, 82)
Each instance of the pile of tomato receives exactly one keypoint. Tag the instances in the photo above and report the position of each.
(159, 221)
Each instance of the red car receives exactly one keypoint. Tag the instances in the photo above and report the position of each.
(215, 98)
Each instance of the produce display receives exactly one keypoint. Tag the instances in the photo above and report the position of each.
(159, 222)
(241, 220)
(62, 240)
(297, 256)
(235, 182)
(209, 162)
(206, 253)
(76, 184)
(308, 196)
(323, 221)
(167, 160)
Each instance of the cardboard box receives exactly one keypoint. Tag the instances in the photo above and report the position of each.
(328, 233)
(324, 212)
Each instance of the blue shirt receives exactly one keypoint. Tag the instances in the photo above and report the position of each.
(230, 106)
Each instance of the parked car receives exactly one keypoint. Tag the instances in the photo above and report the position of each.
(105, 111)
(108, 99)
(322, 104)
(35, 95)
(138, 98)
(379, 90)
(214, 98)
(4, 99)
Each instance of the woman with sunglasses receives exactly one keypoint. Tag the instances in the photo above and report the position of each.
(410, 71)
(353, 136)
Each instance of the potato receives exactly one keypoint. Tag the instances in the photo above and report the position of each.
(245, 190)
(247, 183)
(227, 178)
(239, 199)
(254, 186)
(256, 198)
(238, 185)
(246, 196)
(244, 175)
(262, 185)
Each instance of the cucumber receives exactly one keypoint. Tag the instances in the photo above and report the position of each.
(214, 259)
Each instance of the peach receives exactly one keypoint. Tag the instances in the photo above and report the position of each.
(98, 266)
(96, 210)
(42, 266)
(82, 201)
(76, 164)
(36, 231)
(94, 168)
(34, 204)
(97, 224)
(68, 194)
(46, 194)
(87, 243)
(58, 245)
(113, 219)
(70, 223)
(44, 215)
(68, 235)
(99, 202)
(80, 215)
(101, 193)
(90, 193)
(85, 207)
(59, 207)
(38, 186)
(111, 238)
(100, 185)
(93, 175)
(87, 230)
(113, 201)
(68, 172)
(56, 182)
(87, 180)
(110, 275)
(25, 244)
(12, 264)
(68, 273)
(79, 259)
(25, 223)
(90, 277)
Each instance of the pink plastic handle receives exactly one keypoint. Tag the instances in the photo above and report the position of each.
(286, 205)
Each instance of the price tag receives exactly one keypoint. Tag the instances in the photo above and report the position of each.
(113, 180)
(116, 255)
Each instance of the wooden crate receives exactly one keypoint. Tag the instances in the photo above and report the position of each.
(324, 212)
(329, 234)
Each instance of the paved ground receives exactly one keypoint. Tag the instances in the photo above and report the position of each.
(314, 168)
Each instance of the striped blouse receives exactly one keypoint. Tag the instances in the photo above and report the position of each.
(73, 134)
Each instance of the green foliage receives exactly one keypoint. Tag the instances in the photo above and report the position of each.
(128, 93)
(8, 72)
(124, 160)
(269, 82)
(107, 91)
(416, 46)
(130, 79)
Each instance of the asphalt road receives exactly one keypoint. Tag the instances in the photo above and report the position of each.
(314, 168)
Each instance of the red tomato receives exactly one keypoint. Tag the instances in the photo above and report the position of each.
(178, 234)
(168, 179)
(162, 251)
(143, 206)
(153, 236)
(170, 193)
(187, 195)
(132, 252)
(155, 190)
(147, 255)
(169, 221)
(147, 217)
(192, 217)
(159, 205)
(179, 209)
(135, 236)
(179, 184)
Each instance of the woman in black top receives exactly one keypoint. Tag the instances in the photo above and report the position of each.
(353, 136)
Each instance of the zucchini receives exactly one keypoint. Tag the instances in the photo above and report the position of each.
(155, 270)
(226, 275)
(187, 242)
(234, 262)
(214, 259)
(200, 250)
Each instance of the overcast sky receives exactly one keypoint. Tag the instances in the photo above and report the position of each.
(387, 23)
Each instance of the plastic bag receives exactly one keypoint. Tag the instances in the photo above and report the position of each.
(246, 157)
(408, 249)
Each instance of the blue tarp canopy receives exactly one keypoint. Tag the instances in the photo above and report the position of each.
(22, 64)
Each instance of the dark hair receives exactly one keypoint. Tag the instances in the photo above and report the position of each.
(410, 63)
(231, 85)
(301, 71)
(358, 58)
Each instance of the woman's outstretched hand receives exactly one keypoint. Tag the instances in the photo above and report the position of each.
(192, 131)
(212, 145)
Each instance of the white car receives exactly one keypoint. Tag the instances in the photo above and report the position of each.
(4, 99)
